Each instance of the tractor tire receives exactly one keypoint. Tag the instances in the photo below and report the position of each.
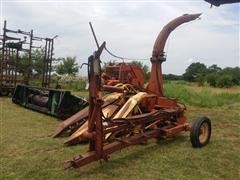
(200, 132)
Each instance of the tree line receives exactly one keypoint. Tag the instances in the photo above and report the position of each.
(213, 75)
(67, 65)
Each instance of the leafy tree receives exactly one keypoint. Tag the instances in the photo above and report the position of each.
(213, 75)
(234, 73)
(193, 71)
(23, 61)
(172, 77)
(68, 66)
(213, 69)
(37, 61)
(211, 79)
(200, 79)
(36, 64)
(224, 81)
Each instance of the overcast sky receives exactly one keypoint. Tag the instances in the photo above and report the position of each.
(130, 29)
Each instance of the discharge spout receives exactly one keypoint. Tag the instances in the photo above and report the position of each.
(155, 84)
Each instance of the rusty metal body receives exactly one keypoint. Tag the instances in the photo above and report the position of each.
(158, 57)
(10, 66)
(142, 115)
(126, 73)
(47, 62)
(13, 69)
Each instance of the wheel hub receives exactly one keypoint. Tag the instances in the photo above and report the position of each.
(203, 134)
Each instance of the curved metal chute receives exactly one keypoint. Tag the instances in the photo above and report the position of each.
(155, 81)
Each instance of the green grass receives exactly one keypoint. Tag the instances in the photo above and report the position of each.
(29, 152)
(81, 93)
(77, 85)
(201, 96)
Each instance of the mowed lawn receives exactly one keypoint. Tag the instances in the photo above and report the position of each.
(28, 150)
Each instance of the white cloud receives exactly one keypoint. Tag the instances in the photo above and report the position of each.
(130, 29)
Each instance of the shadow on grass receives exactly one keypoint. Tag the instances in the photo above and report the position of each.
(126, 161)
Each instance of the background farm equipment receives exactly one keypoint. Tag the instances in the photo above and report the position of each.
(14, 69)
(129, 116)
(59, 103)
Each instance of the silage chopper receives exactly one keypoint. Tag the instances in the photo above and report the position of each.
(120, 114)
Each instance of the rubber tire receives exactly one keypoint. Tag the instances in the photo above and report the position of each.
(195, 130)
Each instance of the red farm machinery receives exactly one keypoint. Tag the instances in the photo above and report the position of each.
(123, 112)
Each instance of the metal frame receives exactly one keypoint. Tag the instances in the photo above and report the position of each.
(127, 73)
(165, 117)
(59, 103)
(47, 65)
(11, 47)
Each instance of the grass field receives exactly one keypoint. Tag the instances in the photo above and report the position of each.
(28, 150)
